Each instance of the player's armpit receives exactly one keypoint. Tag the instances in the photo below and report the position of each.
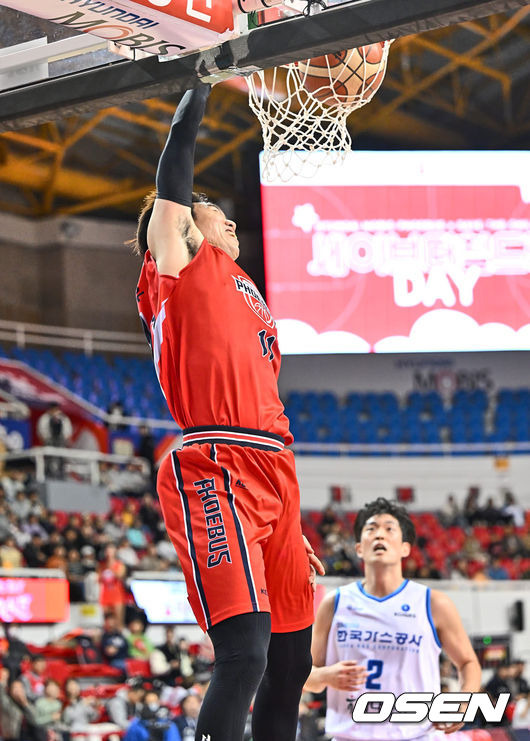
(172, 236)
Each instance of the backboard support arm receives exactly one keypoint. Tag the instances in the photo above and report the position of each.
(340, 27)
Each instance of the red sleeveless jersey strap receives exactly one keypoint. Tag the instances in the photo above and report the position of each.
(152, 289)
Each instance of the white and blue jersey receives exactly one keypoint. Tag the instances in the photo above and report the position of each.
(395, 639)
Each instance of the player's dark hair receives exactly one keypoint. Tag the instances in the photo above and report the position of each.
(382, 506)
(139, 243)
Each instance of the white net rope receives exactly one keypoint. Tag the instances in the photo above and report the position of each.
(303, 107)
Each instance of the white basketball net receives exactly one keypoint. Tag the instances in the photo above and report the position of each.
(295, 122)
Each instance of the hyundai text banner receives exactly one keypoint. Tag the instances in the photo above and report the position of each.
(163, 27)
(402, 252)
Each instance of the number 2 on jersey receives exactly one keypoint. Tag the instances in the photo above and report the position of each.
(375, 669)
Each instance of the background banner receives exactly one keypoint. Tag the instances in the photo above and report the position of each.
(162, 27)
(33, 600)
(402, 252)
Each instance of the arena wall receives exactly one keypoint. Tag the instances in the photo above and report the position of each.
(431, 478)
(401, 374)
(77, 272)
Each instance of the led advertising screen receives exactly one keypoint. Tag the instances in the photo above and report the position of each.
(163, 601)
(401, 252)
(34, 600)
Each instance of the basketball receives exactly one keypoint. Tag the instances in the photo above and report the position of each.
(346, 76)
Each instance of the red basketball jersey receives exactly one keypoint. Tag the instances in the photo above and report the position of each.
(214, 342)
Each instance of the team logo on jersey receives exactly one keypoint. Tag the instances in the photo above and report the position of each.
(254, 299)
(405, 612)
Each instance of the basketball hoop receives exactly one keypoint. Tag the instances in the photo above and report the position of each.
(303, 108)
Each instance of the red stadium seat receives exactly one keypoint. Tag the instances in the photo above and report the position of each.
(53, 652)
(134, 504)
(117, 505)
(313, 536)
(315, 516)
(482, 534)
(497, 530)
(62, 519)
(58, 669)
(456, 535)
(102, 691)
(511, 567)
(97, 670)
(137, 668)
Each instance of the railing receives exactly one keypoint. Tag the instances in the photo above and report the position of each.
(29, 573)
(90, 458)
(162, 424)
(505, 448)
(87, 340)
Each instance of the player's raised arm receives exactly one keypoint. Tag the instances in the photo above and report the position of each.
(172, 236)
(343, 675)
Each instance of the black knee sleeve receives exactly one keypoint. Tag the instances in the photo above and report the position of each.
(240, 644)
(275, 714)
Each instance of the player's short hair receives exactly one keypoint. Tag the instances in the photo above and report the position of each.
(382, 506)
(139, 243)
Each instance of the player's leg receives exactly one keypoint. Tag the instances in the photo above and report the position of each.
(221, 556)
(275, 712)
(240, 645)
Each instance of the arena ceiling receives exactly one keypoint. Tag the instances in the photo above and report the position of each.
(465, 86)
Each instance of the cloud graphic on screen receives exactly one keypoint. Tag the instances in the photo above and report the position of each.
(305, 217)
(299, 338)
(445, 330)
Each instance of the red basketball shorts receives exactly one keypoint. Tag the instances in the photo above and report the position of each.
(233, 515)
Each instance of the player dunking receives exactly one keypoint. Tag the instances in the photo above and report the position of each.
(230, 498)
(384, 633)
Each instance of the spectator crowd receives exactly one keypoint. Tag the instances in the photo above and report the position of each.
(155, 691)
(37, 696)
(475, 540)
(164, 703)
(97, 553)
(472, 541)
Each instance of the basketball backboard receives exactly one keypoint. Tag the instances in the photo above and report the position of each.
(66, 68)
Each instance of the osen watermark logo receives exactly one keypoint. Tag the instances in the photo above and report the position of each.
(415, 707)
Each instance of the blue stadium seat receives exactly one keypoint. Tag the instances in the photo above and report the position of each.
(368, 418)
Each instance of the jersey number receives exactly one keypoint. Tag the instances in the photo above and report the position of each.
(375, 669)
(266, 344)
